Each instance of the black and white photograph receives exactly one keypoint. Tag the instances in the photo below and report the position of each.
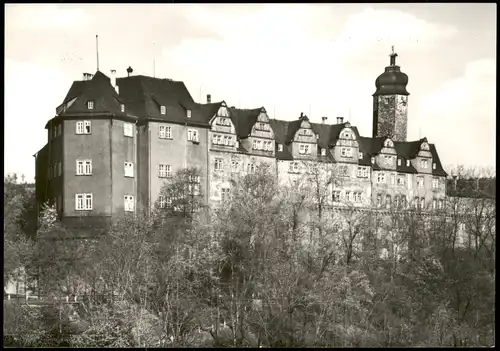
(249, 175)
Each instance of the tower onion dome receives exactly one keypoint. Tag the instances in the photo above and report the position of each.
(392, 81)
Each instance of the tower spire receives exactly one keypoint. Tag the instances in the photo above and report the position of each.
(393, 56)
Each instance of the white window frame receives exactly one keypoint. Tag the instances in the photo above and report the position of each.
(424, 163)
(393, 179)
(90, 105)
(293, 167)
(128, 203)
(280, 147)
(434, 204)
(83, 202)
(164, 131)
(323, 152)
(234, 166)
(122, 107)
(86, 167)
(435, 183)
(400, 180)
(188, 113)
(388, 160)
(129, 169)
(164, 170)
(163, 110)
(434, 165)
(225, 193)
(343, 171)
(420, 181)
(218, 164)
(360, 155)
(399, 162)
(128, 129)
(81, 127)
(251, 168)
(422, 202)
(373, 160)
(193, 135)
(407, 163)
(345, 151)
(161, 201)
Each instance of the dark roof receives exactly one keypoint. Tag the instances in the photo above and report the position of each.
(371, 146)
(99, 90)
(439, 171)
(144, 96)
(408, 149)
(244, 120)
(280, 129)
(293, 127)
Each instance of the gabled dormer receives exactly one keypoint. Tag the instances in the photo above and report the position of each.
(262, 128)
(346, 147)
(387, 158)
(223, 132)
(303, 138)
(423, 162)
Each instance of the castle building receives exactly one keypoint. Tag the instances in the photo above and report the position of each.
(115, 141)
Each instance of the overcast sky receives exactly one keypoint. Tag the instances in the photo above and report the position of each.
(320, 59)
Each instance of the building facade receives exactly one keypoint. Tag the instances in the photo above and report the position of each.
(114, 142)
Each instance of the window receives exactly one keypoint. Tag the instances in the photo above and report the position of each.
(434, 165)
(164, 171)
(388, 201)
(225, 193)
(223, 121)
(83, 202)
(128, 129)
(420, 182)
(388, 143)
(304, 149)
(59, 168)
(188, 113)
(396, 201)
(336, 196)
(360, 155)
(362, 172)
(422, 202)
(403, 201)
(165, 132)
(323, 152)
(373, 160)
(435, 183)
(194, 186)
(83, 167)
(425, 146)
(357, 197)
(386, 100)
(90, 105)
(218, 166)
(280, 147)
(129, 169)
(434, 204)
(343, 171)
(293, 167)
(251, 168)
(379, 199)
(407, 163)
(441, 204)
(161, 201)
(393, 179)
(399, 162)
(345, 152)
(163, 110)
(348, 196)
(381, 177)
(193, 135)
(269, 145)
(388, 160)
(122, 107)
(416, 202)
(234, 166)
(401, 180)
(168, 201)
(128, 203)
(83, 127)
(424, 163)
(254, 144)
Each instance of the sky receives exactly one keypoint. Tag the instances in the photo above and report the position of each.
(320, 59)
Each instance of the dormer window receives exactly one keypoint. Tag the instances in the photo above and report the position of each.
(399, 162)
(122, 107)
(323, 152)
(407, 163)
(90, 104)
(163, 110)
(360, 155)
(434, 166)
(188, 113)
(373, 160)
(388, 143)
(280, 147)
(424, 163)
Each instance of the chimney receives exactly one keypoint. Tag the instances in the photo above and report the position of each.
(87, 76)
(209, 98)
(113, 78)
(301, 115)
(324, 119)
(129, 71)
(340, 120)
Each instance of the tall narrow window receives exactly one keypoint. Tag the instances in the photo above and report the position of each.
(193, 135)
(90, 105)
(165, 132)
(360, 155)
(218, 165)
(163, 110)
(129, 169)
(280, 147)
(83, 167)
(128, 129)
(87, 127)
(122, 107)
(161, 201)
(420, 182)
(83, 202)
(129, 203)
(164, 171)
(188, 113)
(381, 177)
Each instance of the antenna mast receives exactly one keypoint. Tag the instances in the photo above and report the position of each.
(97, 49)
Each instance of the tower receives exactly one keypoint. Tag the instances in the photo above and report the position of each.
(390, 102)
